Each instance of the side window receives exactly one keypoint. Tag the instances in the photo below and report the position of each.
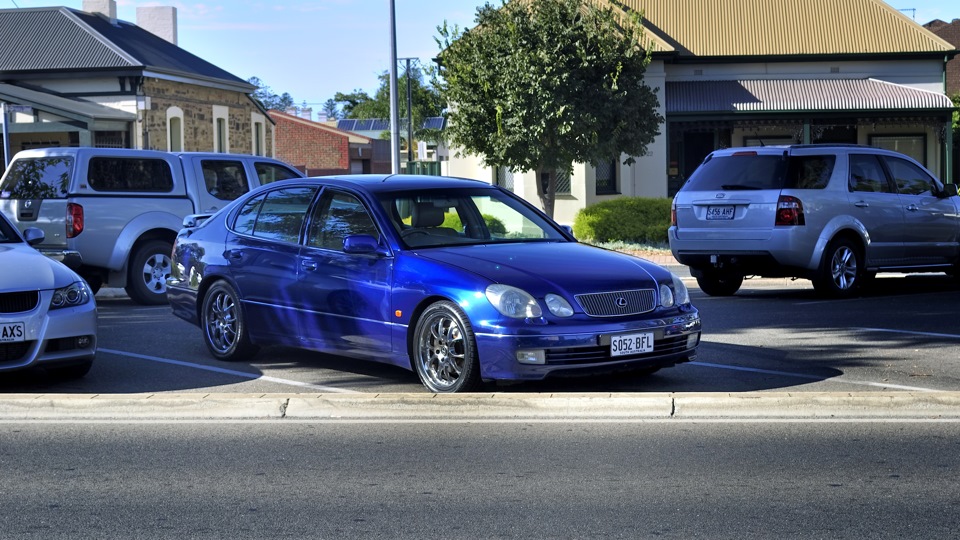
(281, 214)
(910, 179)
(866, 175)
(337, 216)
(129, 174)
(809, 172)
(225, 180)
(247, 216)
(271, 172)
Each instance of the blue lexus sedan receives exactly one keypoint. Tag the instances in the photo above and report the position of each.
(458, 280)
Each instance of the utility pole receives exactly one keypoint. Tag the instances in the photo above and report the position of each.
(394, 117)
(409, 111)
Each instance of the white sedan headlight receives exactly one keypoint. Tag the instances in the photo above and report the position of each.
(75, 294)
(513, 302)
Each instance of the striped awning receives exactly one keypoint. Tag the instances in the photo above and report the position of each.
(798, 95)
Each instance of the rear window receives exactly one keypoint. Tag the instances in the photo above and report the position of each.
(755, 172)
(129, 174)
(37, 178)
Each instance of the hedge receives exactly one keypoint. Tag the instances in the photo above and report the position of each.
(634, 220)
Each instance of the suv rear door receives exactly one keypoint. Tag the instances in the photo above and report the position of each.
(732, 196)
(33, 193)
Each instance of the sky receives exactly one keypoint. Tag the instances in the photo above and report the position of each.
(313, 49)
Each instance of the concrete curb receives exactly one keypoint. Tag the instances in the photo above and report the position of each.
(480, 407)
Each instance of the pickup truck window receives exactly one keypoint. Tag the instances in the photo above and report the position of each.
(129, 174)
(225, 180)
(37, 178)
(270, 172)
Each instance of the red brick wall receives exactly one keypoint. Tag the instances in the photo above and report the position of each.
(949, 32)
(312, 147)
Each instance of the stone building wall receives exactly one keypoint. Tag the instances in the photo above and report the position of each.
(197, 104)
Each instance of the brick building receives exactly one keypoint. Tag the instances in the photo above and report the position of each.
(949, 32)
(319, 149)
(84, 78)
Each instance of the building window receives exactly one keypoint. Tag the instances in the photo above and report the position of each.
(503, 178)
(175, 129)
(564, 185)
(257, 122)
(221, 137)
(606, 177)
(914, 146)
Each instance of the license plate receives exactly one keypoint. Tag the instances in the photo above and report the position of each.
(12, 332)
(626, 344)
(720, 212)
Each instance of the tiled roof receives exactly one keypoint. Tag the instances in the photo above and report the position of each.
(727, 28)
(797, 95)
(64, 39)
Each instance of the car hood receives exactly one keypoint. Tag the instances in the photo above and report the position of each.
(570, 266)
(25, 269)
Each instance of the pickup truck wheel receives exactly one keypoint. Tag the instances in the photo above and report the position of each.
(716, 283)
(149, 270)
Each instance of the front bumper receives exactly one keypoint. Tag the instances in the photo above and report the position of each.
(62, 336)
(580, 352)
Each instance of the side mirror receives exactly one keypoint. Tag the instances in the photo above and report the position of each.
(361, 244)
(33, 235)
(949, 190)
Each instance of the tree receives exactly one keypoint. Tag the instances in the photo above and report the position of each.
(330, 109)
(426, 99)
(540, 84)
(267, 98)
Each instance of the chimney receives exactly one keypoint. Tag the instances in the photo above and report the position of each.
(158, 20)
(306, 113)
(107, 8)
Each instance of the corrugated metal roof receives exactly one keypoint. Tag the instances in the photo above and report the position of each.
(797, 95)
(64, 39)
(25, 96)
(706, 28)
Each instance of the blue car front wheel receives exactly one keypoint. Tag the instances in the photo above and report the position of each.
(445, 350)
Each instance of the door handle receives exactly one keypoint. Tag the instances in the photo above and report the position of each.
(913, 208)
(309, 266)
(233, 254)
(862, 204)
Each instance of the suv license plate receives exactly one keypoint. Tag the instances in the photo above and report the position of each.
(12, 332)
(720, 212)
(625, 344)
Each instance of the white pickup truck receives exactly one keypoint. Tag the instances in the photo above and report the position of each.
(112, 214)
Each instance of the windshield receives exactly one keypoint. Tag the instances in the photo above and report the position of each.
(465, 216)
(37, 178)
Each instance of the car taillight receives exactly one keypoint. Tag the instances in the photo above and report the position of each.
(673, 214)
(74, 220)
(789, 211)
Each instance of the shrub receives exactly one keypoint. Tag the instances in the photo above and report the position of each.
(637, 220)
(496, 227)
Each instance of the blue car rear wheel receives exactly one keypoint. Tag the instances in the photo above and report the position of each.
(224, 326)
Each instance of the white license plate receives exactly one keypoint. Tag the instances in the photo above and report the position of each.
(12, 332)
(720, 212)
(625, 344)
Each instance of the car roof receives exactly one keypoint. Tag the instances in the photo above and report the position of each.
(391, 182)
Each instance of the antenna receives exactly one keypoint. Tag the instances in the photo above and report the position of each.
(913, 12)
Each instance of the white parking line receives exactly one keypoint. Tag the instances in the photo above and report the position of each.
(214, 369)
(813, 377)
(930, 334)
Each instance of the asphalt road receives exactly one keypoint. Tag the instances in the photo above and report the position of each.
(775, 335)
(529, 479)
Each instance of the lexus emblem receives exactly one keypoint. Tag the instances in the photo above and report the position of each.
(621, 302)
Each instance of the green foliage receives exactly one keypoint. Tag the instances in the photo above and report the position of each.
(496, 227)
(637, 220)
(541, 84)
(267, 98)
(425, 97)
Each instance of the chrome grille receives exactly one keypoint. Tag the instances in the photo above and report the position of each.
(617, 303)
(19, 302)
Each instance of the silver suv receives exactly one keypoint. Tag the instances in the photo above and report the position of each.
(834, 214)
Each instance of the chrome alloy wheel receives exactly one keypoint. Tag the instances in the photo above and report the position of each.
(440, 351)
(843, 268)
(221, 321)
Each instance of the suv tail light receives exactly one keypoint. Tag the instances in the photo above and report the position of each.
(673, 214)
(74, 220)
(789, 211)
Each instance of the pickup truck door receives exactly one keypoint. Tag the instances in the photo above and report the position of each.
(216, 182)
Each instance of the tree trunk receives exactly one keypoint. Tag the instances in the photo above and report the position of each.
(547, 189)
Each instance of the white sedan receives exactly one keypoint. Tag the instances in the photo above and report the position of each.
(48, 316)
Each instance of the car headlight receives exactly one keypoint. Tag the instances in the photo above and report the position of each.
(674, 294)
(513, 302)
(75, 294)
(558, 305)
